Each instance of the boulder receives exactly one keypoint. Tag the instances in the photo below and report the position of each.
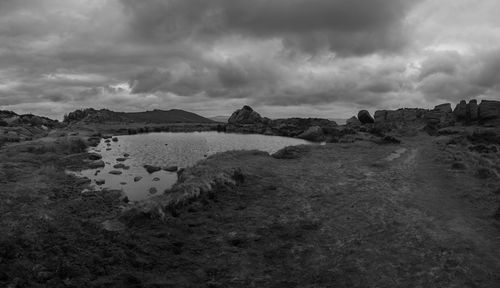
(151, 168)
(96, 164)
(445, 108)
(246, 115)
(380, 116)
(365, 117)
(170, 168)
(489, 110)
(94, 156)
(472, 110)
(460, 111)
(314, 133)
(353, 122)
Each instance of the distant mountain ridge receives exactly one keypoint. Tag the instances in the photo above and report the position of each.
(91, 115)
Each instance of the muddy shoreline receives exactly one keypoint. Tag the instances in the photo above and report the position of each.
(343, 215)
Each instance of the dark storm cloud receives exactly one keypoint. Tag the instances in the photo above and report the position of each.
(344, 26)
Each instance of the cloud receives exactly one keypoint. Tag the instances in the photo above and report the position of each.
(343, 26)
(288, 57)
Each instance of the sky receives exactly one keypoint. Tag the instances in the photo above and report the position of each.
(285, 58)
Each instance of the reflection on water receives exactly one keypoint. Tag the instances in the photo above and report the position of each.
(166, 150)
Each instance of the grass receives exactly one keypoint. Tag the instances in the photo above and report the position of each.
(64, 146)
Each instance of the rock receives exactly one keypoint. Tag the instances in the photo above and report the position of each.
(126, 155)
(115, 139)
(121, 159)
(151, 168)
(108, 149)
(115, 172)
(488, 110)
(246, 115)
(153, 190)
(380, 116)
(156, 179)
(460, 111)
(94, 156)
(441, 116)
(354, 122)
(365, 118)
(472, 110)
(107, 141)
(119, 166)
(137, 178)
(445, 108)
(96, 164)
(170, 168)
(100, 182)
(314, 133)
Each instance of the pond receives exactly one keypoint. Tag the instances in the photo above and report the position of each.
(168, 150)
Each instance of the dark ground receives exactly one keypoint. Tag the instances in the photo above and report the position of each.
(341, 215)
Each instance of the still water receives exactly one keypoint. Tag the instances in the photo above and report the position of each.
(167, 150)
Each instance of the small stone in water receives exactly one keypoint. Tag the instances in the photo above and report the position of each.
(126, 155)
(137, 178)
(123, 183)
(121, 159)
(153, 190)
(170, 168)
(100, 182)
(156, 179)
(115, 172)
(119, 166)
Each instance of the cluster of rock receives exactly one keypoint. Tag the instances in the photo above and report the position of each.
(15, 128)
(246, 120)
(91, 115)
(486, 113)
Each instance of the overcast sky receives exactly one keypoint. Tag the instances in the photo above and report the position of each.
(321, 58)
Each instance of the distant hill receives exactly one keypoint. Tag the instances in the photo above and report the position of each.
(222, 119)
(156, 116)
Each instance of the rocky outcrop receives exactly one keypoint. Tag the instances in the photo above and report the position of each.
(439, 117)
(353, 122)
(472, 110)
(246, 120)
(489, 111)
(245, 115)
(460, 111)
(151, 168)
(365, 118)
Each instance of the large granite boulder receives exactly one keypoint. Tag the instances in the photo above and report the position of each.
(472, 110)
(439, 117)
(444, 108)
(245, 115)
(380, 116)
(460, 111)
(365, 118)
(489, 110)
